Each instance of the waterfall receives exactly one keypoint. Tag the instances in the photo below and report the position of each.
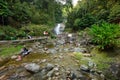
(59, 28)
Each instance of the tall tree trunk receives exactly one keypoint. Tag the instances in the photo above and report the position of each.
(2, 20)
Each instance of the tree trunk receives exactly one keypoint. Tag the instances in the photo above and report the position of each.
(2, 20)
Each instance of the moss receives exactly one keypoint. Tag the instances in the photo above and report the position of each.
(81, 58)
(100, 58)
(8, 50)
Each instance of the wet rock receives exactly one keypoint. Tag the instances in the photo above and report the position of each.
(77, 49)
(44, 60)
(66, 49)
(49, 67)
(50, 73)
(32, 67)
(71, 75)
(13, 57)
(45, 48)
(113, 71)
(102, 76)
(2, 68)
(3, 77)
(43, 72)
(56, 68)
(57, 74)
(61, 57)
(53, 51)
(91, 64)
(87, 55)
(84, 68)
(61, 42)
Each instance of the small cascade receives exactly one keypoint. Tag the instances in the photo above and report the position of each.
(59, 28)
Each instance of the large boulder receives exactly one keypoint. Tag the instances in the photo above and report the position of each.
(32, 67)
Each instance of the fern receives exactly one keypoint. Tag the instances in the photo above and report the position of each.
(105, 35)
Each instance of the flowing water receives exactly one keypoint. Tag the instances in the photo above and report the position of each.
(59, 28)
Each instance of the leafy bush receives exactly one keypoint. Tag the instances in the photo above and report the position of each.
(2, 34)
(8, 33)
(39, 18)
(86, 21)
(115, 13)
(36, 30)
(105, 35)
(21, 33)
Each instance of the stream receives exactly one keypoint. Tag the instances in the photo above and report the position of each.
(51, 60)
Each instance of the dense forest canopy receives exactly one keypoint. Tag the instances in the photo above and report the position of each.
(18, 13)
(88, 12)
(30, 11)
(19, 18)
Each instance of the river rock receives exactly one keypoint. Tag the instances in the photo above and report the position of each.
(32, 67)
(77, 49)
(84, 68)
(66, 49)
(43, 72)
(91, 64)
(43, 61)
(53, 51)
(61, 42)
(114, 71)
(50, 73)
(13, 57)
(49, 67)
(57, 74)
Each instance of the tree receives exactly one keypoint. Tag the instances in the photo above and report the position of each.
(98, 9)
(4, 11)
(115, 13)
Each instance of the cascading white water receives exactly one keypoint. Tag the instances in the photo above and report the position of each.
(57, 29)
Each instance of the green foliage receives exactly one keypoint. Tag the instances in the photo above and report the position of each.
(84, 22)
(105, 35)
(36, 30)
(7, 33)
(115, 13)
(88, 12)
(2, 34)
(10, 50)
(4, 11)
(39, 18)
(36, 11)
(21, 34)
(10, 33)
(58, 13)
(102, 59)
(21, 12)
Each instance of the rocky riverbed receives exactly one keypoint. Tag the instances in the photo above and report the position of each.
(52, 60)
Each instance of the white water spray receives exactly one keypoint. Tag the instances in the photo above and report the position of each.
(57, 29)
